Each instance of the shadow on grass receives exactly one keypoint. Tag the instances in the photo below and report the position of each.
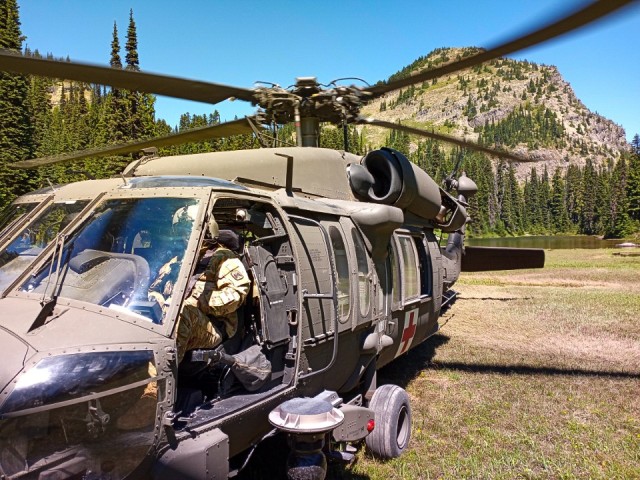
(527, 370)
(404, 369)
(499, 299)
(270, 459)
(407, 367)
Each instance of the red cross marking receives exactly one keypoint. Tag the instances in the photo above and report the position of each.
(408, 333)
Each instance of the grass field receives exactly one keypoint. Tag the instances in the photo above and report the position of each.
(534, 374)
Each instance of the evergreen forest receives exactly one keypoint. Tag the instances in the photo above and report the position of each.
(42, 117)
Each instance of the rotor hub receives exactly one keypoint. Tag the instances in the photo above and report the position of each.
(337, 105)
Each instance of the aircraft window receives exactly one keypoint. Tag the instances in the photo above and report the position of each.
(425, 267)
(126, 256)
(181, 181)
(19, 254)
(363, 273)
(395, 275)
(410, 277)
(13, 212)
(342, 267)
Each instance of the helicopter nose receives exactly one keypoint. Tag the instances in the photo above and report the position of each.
(13, 357)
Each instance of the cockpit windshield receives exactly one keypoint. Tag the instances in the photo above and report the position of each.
(125, 256)
(13, 212)
(32, 239)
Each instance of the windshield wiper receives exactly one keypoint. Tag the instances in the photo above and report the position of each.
(48, 304)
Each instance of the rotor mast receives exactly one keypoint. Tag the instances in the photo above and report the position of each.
(309, 134)
(307, 123)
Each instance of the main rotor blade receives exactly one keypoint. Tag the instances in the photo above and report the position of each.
(486, 259)
(588, 14)
(445, 138)
(131, 80)
(236, 127)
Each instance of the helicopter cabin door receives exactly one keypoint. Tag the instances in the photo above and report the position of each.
(412, 305)
(319, 298)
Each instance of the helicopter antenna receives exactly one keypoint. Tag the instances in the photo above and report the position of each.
(261, 140)
(289, 180)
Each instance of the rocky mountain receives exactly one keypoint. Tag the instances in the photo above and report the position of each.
(516, 105)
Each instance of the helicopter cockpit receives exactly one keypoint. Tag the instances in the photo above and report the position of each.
(112, 258)
(101, 271)
(266, 323)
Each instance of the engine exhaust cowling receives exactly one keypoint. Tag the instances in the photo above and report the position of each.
(386, 176)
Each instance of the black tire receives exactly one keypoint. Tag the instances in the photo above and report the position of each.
(392, 431)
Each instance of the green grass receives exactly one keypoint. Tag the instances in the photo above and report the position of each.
(536, 375)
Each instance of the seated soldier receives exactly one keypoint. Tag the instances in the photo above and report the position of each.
(170, 254)
(208, 314)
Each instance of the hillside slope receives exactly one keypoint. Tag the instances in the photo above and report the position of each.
(517, 105)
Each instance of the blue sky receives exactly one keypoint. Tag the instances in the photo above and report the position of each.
(240, 42)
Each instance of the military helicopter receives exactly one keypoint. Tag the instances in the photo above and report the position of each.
(346, 268)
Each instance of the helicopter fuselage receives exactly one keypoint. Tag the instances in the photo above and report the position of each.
(341, 286)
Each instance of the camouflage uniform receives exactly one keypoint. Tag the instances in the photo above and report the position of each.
(162, 287)
(212, 303)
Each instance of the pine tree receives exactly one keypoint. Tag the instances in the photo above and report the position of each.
(140, 106)
(115, 60)
(544, 197)
(604, 214)
(15, 121)
(39, 110)
(115, 122)
(533, 209)
(398, 140)
(133, 62)
(503, 193)
(517, 202)
(619, 224)
(633, 187)
(588, 216)
(482, 206)
(635, 144)
(573, 185)
(558, 204)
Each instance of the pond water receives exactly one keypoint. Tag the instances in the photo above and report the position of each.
(548, 242)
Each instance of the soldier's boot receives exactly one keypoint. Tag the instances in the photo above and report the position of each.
(142, 413)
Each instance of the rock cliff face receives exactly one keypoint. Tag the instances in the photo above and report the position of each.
(462, 104)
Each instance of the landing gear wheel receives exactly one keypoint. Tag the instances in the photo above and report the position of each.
(392, 431)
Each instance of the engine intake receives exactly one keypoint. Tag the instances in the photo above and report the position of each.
(386, 176)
